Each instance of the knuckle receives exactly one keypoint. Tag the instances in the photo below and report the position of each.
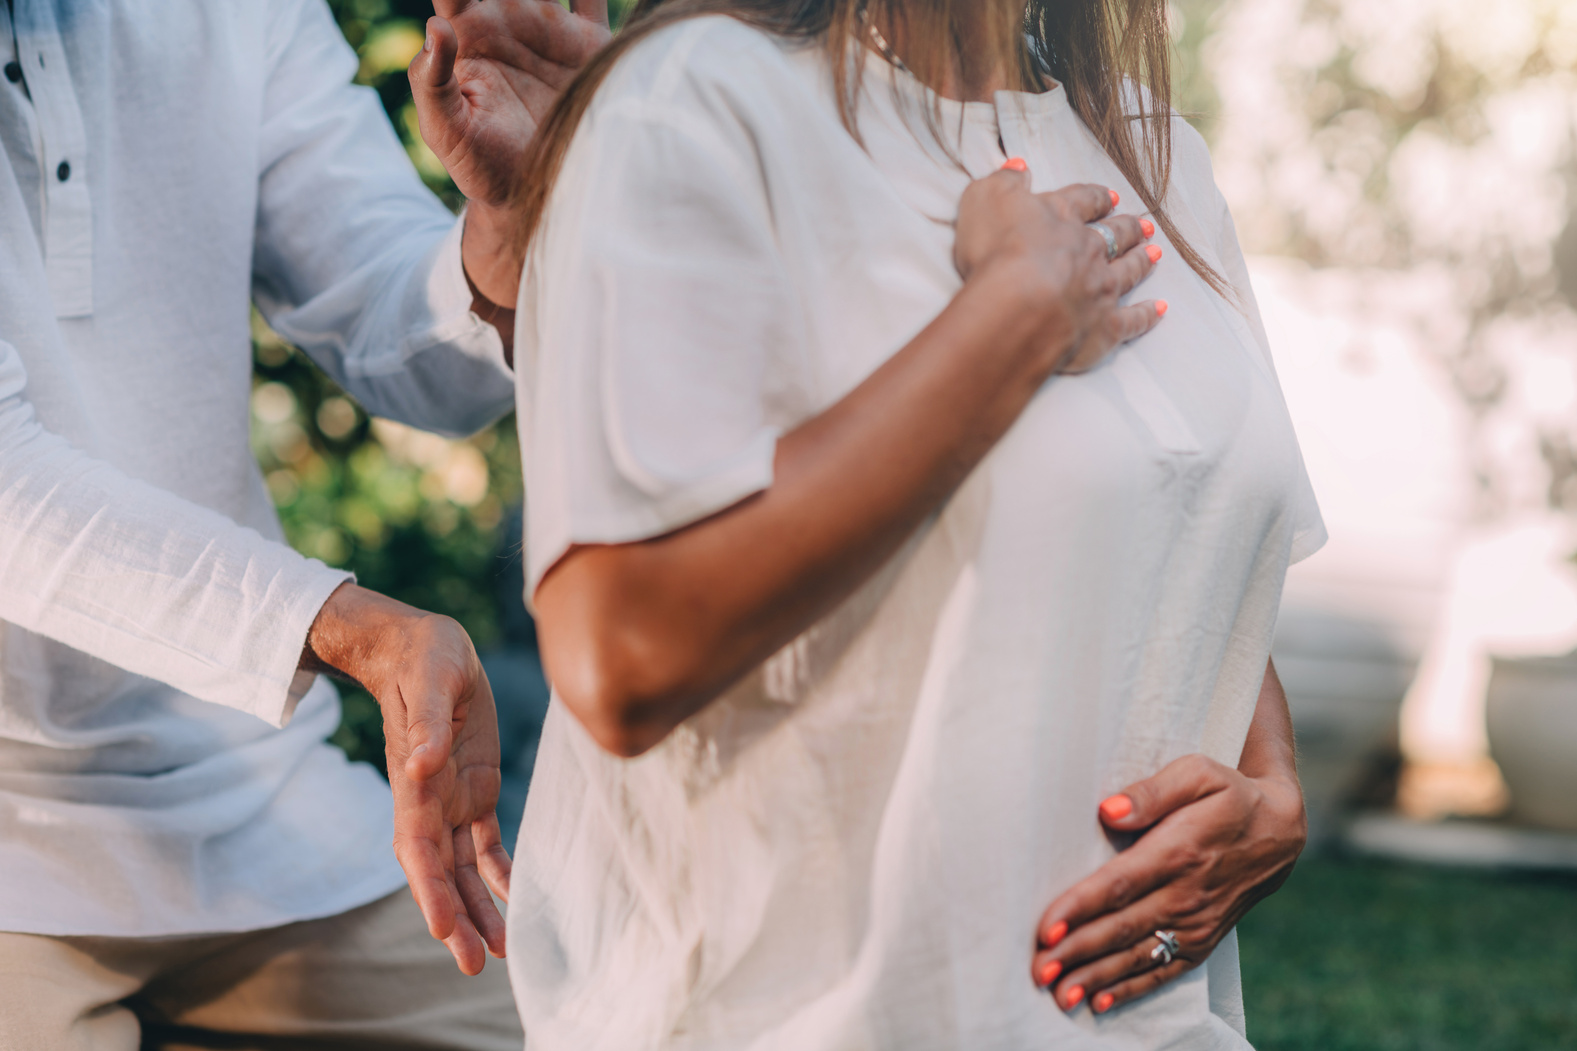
(1119, 889)
(1193, 901)
(1183, 857)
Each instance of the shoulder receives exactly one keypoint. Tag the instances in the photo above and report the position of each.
(1192, 172)
(696, 61)
(1190, 154)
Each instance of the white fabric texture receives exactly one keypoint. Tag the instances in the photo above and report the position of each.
(159, 168)
(851, 848)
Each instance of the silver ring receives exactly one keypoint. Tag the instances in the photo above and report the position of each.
(1167, 949)
(1109, 236)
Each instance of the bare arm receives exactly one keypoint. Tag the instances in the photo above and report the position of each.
(637, 637)
(1215, 842)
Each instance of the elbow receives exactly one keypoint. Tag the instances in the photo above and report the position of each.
(622, 681)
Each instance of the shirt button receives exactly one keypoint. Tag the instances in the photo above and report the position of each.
(13, 72)
(64, 171)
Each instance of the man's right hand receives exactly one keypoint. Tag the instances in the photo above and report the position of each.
(442, 738)
(483, 83)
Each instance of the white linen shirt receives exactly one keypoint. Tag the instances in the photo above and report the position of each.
(851, 848)
(162, 162)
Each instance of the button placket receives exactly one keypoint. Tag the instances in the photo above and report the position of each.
(13, 68)
(68, 208)
(1019, 140)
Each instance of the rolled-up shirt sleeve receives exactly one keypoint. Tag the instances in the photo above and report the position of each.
(143, 579)
(356, 261)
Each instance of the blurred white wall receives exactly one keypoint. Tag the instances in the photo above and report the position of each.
(1403, 174)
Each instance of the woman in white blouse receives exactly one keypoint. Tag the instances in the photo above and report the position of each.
(878, 534)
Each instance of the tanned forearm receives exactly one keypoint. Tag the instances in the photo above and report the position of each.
(850, 485)
(1270, 751)
(638, 637)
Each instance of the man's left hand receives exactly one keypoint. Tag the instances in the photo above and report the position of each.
(485, 79)
(441, 734)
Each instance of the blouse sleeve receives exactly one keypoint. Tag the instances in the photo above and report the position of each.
(654, 317)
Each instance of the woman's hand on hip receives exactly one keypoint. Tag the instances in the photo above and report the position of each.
(1005, 232)
(1213, 842)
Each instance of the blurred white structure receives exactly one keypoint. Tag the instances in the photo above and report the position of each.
(1404, 172)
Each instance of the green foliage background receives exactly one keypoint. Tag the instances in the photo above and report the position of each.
(345, 494)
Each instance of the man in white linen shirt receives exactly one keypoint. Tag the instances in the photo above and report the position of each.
(183, 859)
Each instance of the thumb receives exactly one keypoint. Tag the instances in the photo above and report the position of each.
(1145, 803)
(427, 728)
(591, 10)
(434, 87)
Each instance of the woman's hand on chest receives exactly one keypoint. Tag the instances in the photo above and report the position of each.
(1071, 278)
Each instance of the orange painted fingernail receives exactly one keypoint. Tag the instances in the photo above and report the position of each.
(1161, 308)
(1115, 198)
(1059, 931)
(1154, 252)
(1102, 1002)
(1119, 806)
(1016, 164)
(1148, 227)
(1048, 973)
(1075, 996)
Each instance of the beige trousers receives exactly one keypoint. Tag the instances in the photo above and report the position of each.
(368, 979)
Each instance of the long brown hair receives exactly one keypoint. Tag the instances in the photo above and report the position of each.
(1101, 51)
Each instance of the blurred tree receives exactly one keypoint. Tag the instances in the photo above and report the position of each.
(414, 516)
(1436, 138)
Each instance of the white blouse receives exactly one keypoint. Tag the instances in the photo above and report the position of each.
(852, 847)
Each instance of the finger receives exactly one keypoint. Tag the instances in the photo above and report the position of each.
(1117, 932)
(492, 860)
(1184, 781)
(429, 883)
(1083, 202)
(1013, 174)
(1132, 266)
(428, 714)
(466, 947)
(450, 8)
(434, 86)
(1139, 985)
(1131, 322)
(474, 897)
(1129, 233)
(1112, 969)
(1123, 880)
(591, 10)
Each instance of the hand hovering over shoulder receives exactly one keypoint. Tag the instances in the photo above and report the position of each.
(639, 636)
(1213, 842)
(485, 79)
(442, 738)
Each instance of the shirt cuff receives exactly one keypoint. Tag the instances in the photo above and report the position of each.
(449, 297)
(309, 601)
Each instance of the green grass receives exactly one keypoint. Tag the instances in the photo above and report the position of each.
(1365, 955)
